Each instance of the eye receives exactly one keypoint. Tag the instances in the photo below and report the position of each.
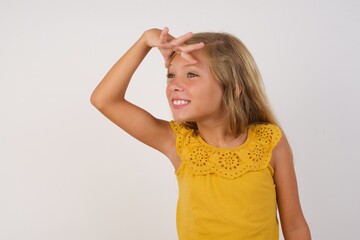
(170, 75)
(192, 75)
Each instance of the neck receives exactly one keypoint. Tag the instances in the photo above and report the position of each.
(220, 135)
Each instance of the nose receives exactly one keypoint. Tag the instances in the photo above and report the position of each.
(175, 85)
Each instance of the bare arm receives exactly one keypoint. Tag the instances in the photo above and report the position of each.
(293, 222)
(109, 95)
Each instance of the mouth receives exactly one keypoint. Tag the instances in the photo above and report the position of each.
(179, 103)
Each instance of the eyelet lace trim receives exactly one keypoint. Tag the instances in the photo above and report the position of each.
(202, 159)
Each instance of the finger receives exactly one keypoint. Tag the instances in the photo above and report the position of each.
(188, 57)
(168, 56)
(180, 40)
(191, 47)
(164, 35)
(167, 63)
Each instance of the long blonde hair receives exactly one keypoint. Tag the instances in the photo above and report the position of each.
(235, 69)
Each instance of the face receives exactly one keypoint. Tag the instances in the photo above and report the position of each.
(193, 93)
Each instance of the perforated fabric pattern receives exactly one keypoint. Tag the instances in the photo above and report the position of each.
(254, 154)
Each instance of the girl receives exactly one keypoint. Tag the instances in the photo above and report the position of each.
(233, 163)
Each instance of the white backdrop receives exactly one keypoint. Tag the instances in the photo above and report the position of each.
(66, 172)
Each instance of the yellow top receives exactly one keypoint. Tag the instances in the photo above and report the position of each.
(226, 193)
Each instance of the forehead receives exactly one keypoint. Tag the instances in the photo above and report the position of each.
(198, 55)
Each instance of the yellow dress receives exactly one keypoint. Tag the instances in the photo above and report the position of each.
(226, 193)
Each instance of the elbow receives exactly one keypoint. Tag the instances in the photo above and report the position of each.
(96, 101)
(93, 99)
(102, 102)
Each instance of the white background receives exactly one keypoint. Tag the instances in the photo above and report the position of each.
(66, 172)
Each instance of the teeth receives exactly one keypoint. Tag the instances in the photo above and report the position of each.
(180, 102)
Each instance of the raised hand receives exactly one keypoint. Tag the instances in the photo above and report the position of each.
(169, 45)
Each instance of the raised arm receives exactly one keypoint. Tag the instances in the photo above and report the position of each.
(109, 95)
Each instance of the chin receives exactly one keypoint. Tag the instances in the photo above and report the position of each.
(182, 119)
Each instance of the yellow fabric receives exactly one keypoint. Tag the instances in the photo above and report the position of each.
(226, 194)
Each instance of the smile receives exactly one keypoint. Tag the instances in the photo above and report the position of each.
(180, 102)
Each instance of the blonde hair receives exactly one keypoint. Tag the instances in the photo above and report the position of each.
(235, 69)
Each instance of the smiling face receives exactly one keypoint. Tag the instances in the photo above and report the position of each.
(193, 93)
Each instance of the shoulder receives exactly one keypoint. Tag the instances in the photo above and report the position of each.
(183, 136)
(176, 126)
(266, 134)
(180, 129)
(281, 155)
(272, 138)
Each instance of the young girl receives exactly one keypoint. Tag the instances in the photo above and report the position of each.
(233, 163)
